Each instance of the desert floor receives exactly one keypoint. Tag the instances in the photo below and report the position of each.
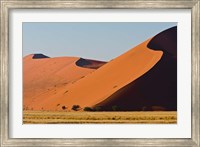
(55, 117)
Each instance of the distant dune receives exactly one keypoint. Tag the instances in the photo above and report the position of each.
(42, 75)
(144, 78)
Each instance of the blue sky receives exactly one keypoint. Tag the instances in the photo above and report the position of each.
(92, 40)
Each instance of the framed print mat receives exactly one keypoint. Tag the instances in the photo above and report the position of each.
(91, 76)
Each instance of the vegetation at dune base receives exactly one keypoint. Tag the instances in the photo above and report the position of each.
(88, 109)
(99, 108)
(65, 117)
(64, 107)
(75, 107)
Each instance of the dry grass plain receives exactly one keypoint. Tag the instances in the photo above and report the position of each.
(52, 117)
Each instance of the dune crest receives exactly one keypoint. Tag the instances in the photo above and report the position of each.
(43, 74)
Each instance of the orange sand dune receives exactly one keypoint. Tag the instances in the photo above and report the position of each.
(157, 88)
(42, 74)
(144, 78)
(103, 82)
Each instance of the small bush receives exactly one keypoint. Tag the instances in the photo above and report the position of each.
(88, 109)
(63, 107)
(75, 107)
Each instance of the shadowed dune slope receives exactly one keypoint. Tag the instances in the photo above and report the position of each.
(43, 74)
(156, 89)
(87, 63)
(166, 40)
(39, 56)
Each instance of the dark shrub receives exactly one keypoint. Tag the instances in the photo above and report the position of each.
(88, 109)
(63, 107)
(75, 107)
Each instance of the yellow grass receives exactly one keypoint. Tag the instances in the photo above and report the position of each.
(52, 117)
